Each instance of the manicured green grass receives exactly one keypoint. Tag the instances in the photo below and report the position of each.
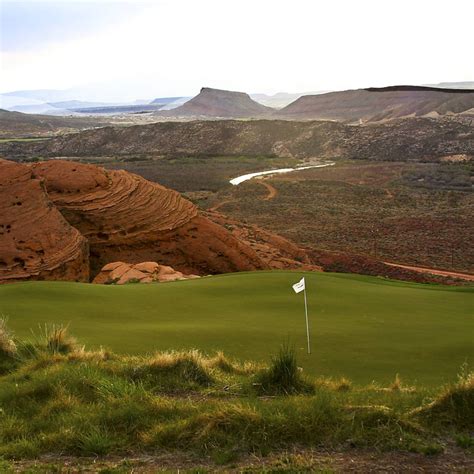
(363, 328)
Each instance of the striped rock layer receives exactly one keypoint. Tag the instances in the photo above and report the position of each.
(36, 241)
(127, 218)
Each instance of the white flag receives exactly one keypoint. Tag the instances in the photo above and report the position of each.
(300, 286)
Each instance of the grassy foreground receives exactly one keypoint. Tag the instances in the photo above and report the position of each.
(58, 399)
(363, 328)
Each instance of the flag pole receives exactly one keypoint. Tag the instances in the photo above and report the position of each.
(307, 322)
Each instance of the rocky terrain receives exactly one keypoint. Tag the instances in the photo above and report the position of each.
(421, 139)
(65, 220)
(377, 104)
(220, 103)
(36, 241)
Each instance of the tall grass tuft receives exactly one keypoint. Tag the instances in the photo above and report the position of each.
(455, 406)
(7, 345)
(8, 349)
(283, 376)
(58, 341)
(221, 362)
(173, 371)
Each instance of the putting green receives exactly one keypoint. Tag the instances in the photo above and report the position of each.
(365, 328)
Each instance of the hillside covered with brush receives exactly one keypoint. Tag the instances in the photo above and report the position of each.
(420, 139)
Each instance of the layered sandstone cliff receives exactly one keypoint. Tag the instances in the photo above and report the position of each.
(36, 242)
(127, 218)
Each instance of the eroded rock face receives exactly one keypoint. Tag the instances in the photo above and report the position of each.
(127, 218)
(120, 273)
(36, 242)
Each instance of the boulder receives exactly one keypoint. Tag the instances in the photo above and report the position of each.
(145, 272)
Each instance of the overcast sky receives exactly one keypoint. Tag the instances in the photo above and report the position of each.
(173, 47)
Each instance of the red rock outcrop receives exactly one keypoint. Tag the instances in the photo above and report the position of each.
(121, 273)
(36, 242)
(65, 220)
(127, 218)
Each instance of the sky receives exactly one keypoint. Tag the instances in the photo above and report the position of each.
(157, 48)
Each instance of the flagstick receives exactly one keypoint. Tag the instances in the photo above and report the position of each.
(307, 323)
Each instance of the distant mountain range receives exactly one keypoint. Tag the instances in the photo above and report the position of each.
(366, 105)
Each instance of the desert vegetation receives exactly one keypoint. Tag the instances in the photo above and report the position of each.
(58, 398)
(418, 214)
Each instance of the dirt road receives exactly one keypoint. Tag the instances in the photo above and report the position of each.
(272, 192)
(433, 271)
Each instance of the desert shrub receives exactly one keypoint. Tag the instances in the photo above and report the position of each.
(283, 376)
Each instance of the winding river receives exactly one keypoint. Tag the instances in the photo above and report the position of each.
(246, 177)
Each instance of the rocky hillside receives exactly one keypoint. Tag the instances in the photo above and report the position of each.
(58, 216)
(17, 124)
(36, 241)
(397, 140)
(220, 103)
(376, 104)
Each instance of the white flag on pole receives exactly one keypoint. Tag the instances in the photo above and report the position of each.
(300, 286)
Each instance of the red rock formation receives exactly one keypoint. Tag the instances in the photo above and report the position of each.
(128, 218)
(122, 217)
(36, 242)
(121, 273)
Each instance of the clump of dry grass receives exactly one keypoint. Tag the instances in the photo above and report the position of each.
(8, 347)
(221, 362)
(188, 366)
(341, 384)
(396, 385)
(224, 364)
(100, 355)
(454, 406)
(59, 341)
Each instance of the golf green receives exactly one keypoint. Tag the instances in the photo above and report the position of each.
(364, 328)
